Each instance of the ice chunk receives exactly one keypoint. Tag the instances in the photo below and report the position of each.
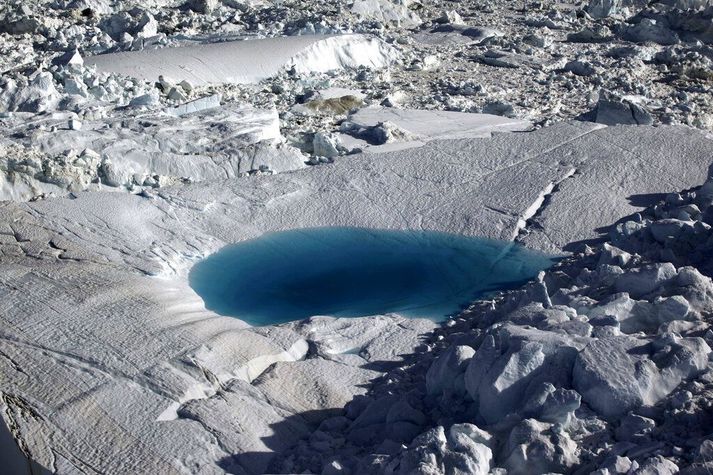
(616, 374)
(204, 103)
(387, 11)
(249, 61)
(447, 368)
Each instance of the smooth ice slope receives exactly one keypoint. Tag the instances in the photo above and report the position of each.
(248, 61)
(386, 129)
(435, 124)
(352, 272)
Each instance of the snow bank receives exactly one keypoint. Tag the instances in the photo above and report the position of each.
(249, 61)
(411, 127)
(432, 124)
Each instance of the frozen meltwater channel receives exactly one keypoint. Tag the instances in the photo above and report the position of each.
(350, 272)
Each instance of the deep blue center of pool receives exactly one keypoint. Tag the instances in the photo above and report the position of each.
(350, 272)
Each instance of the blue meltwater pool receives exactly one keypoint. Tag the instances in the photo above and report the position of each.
(350, 272)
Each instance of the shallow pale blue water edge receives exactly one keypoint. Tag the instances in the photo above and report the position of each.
(350, 272)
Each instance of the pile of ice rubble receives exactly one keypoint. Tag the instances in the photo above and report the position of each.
(600, 366)
(609, 61)
(58, 153)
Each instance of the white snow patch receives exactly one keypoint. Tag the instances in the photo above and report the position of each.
(249, 61)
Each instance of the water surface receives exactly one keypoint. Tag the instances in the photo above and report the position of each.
(350, 272)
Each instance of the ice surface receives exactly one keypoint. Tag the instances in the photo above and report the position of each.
(248, 61)
(365, 127)
(80, 270)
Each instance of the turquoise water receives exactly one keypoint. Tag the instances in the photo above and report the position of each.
(350, 272)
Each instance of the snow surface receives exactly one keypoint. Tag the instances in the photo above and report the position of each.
(248, 61)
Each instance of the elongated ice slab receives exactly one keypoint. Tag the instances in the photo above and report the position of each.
(249, 61)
